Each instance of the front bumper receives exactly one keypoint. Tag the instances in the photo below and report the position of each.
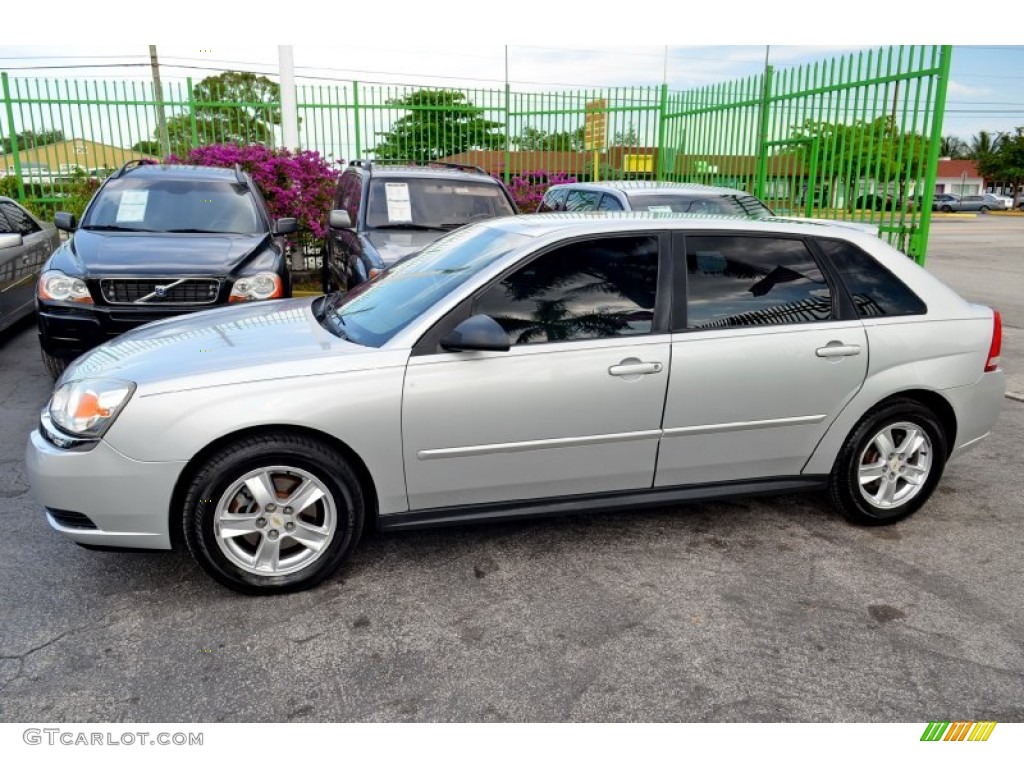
(67, 329)
(128, 501)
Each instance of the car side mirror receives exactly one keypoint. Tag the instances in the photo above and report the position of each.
(65, 221)
(285, 226)
(10, 240)
(479, 333)
(339, 220)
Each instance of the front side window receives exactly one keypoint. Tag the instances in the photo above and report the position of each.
(147, 204)
(590, 289)
(736, 280)
(875, 290)
(609, 203)
(5, 226)
(21, 222)
(437, 204)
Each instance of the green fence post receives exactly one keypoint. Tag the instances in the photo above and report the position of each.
(192, 113)
(761, 184)
(662, 112)
(508, 134)
(9, 109)
(355, 113)
(919, 242)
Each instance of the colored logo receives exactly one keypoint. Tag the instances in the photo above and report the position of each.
(959, 731)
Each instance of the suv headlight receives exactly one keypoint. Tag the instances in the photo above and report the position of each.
(89, 406)
(56, 286)
(264, 285)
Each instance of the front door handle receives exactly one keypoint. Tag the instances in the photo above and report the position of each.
(838, 349)
(634, 367)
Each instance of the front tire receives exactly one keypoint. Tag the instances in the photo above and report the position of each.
(54, 365)
(273, 513)
(889, 465)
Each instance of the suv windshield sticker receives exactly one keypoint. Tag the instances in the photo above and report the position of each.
(399, 208)
(133, 205)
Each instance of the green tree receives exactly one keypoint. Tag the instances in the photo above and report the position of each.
(438, 123)
(536, 139)
(1005, 164)
(147, 147)
(30, 139)
(230, 108)
(626, 138)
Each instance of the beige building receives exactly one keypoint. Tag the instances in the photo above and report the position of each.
(65, 156)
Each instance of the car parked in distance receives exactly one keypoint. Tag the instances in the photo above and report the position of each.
(25, 243)
(520, 367)
(156, 241)
(383, 213)
(967, 203)
(654, 196)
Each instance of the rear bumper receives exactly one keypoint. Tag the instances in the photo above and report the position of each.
(126, 501)
(977, 408)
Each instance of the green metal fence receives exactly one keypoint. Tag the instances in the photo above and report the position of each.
(854, 137)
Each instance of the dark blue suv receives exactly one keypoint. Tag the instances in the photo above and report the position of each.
(157, 241)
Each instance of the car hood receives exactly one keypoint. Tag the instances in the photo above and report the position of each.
(250, 342)
(393, 245)
(152, 253)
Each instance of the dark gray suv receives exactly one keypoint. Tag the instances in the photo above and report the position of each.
(383, 213)
(658, 196)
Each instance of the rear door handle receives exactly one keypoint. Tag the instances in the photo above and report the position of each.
(838, 349)
(634, 368)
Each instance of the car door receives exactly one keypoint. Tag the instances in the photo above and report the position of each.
(24, 265)
(762, 359)
(573, 407)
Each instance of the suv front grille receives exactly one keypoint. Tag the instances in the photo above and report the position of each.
(160, 290)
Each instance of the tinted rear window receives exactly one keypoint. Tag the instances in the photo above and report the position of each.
(727, 205)
(875, 290)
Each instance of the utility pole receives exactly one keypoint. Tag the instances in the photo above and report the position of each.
(290, 125)
(158, 94)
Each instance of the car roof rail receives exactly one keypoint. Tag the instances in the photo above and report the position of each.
(240, 176)
(132, 165)
(459, 166)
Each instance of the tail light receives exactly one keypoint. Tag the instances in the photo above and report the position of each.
(997, 343)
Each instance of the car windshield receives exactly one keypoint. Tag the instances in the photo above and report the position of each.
(729, 205)
(374, 312)
(147, 204)
(427, 203)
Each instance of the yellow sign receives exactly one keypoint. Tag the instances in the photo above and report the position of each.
(595, 127)
(638, 163)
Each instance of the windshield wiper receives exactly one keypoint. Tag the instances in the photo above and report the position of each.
(202, 231)
(421, 227)
(113, 228)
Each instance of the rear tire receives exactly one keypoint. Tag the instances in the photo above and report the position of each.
(273, 513)
(889, 465)
(54, 366)
(946, 209)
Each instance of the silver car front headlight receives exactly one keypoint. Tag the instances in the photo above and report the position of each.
(88, 407)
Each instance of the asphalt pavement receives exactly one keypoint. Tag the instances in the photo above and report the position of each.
(754, 610)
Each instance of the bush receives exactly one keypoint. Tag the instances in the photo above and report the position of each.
(527, 189)
(295, 184)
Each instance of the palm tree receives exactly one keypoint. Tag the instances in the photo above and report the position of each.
(953, 147)
(984, 143)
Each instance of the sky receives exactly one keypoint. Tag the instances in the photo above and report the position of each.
(986, 89)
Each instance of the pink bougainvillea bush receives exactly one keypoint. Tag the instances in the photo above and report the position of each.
(527, 189)
(297, 184)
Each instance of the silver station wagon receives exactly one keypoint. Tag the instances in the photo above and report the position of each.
(523, 367)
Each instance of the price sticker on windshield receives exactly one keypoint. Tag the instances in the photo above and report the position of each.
(133, 205)
(399, 207)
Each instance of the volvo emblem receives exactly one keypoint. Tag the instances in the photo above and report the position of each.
(161, 291)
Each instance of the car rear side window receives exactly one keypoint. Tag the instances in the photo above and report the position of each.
(737, 281)
(554, 200)
(590, 289)
(581, 200)
(875, 290)
(609, 203)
